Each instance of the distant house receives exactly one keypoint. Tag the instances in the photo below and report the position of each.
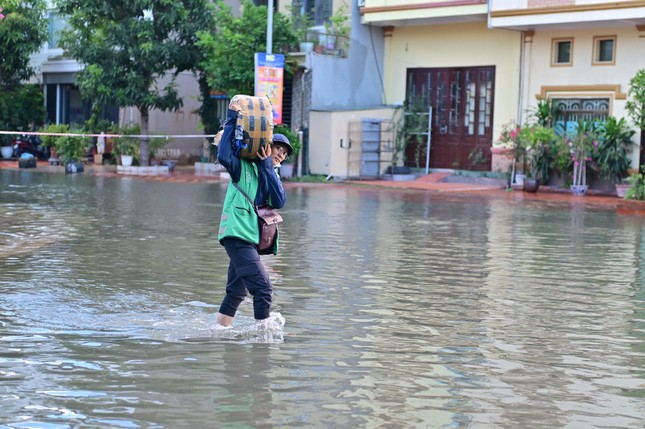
(579, 54)
(64, 103)
(480, 64)
(338, 86)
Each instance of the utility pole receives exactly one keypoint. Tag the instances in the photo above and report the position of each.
(270, 27)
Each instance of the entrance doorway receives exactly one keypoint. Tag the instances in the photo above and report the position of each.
(462, 116)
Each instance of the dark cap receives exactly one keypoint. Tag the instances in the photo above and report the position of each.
(282, 139)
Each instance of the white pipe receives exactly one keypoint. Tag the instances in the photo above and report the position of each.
(429, 137)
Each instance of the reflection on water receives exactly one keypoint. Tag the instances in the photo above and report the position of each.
(403, 309)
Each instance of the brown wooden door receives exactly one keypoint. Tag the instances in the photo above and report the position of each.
(462, 116)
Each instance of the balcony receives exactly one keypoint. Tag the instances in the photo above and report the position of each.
(523, 15)
(322, 42)
(411, 12)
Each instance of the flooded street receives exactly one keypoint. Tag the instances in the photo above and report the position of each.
(404, 309)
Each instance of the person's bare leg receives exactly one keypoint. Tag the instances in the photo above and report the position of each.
(224, 320)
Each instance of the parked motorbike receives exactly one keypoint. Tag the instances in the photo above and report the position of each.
(30, 144)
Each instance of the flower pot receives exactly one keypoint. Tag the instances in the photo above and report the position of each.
(126, 160)
(531, 185)
(621, 189)
(7, 152)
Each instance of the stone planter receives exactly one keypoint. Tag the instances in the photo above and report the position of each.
(531, 185)
(126, 160)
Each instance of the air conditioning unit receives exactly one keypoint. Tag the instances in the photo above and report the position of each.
(360, 3)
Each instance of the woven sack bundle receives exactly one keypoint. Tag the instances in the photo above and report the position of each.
(254, 126)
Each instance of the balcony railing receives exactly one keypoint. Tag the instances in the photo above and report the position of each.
(326, 43)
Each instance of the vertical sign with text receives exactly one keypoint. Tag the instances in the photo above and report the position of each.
(269, 71)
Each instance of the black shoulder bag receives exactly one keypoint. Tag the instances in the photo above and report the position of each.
(268, 220)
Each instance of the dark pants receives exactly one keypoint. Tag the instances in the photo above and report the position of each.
(245, 272)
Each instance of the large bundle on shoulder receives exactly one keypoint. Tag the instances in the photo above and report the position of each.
(254, 125)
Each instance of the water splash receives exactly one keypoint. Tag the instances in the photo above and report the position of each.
(247, 330)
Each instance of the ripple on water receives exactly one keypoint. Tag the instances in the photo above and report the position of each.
(412, 310)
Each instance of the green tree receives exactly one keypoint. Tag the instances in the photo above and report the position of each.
(128, 47)
(230, 50)
(636, 99)
(23, 31)
(636, 107)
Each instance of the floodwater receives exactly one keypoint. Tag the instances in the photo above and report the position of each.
(403, 310)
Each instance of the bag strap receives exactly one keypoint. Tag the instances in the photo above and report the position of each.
(246, 196)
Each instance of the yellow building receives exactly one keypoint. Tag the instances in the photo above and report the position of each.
(474, 66)
(580, 54)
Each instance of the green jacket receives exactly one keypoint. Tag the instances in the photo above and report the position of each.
(238, 216)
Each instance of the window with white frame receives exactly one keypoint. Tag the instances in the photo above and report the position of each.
(562, 52)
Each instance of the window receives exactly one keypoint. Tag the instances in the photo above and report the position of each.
(562, 52)
(604, 50)
(568, 111)
(56, 23)
(320, 10)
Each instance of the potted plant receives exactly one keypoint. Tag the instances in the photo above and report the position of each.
(21, 108)
(302, 24)
(400, 129)
(544, 113)
(99, 126)
(507, 144)
(583, 146)
(337, 31)
(155, 144)
(523, 141)
(127, 147)
(71, 150)
(614, 150)
(636, 189)
(635, 107)
(49, 141)
(6, 147)
(539, 155)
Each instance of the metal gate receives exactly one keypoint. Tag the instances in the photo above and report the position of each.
(370, 146)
